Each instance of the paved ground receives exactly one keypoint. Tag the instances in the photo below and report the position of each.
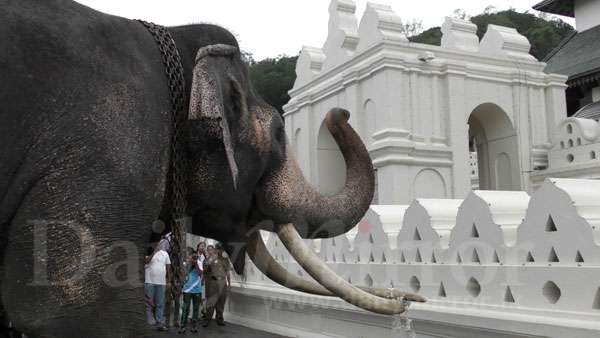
(214, 331)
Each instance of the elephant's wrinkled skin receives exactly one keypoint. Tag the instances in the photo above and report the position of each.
(85, 137)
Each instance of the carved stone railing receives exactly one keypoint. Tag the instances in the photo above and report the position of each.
(502, 264)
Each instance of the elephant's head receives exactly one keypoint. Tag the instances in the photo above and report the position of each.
(243, 176)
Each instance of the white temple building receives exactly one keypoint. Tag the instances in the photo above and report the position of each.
(467, 138)
(424, 111)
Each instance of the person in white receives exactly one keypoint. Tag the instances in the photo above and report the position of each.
(158, 266)
(201, 250)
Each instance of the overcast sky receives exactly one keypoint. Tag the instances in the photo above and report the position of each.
(268, 28)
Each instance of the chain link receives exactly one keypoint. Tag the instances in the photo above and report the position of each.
(174, 73)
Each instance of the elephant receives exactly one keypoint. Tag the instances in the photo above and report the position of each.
(85, 161)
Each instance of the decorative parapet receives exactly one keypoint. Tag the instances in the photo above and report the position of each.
(379, 23)
(391, 218)
(548, 278)
(486, 225)
(372, 243)
(562, 226)
(338, 249)
(505, 41)
(426, 230)
(342, 38)
(309, 65)
(460, 35)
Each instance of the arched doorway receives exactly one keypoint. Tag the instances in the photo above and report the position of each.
(493, 141)
(331, 166)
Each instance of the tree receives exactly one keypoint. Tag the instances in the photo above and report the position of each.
(460, 14)
(412, 27)
(489, 10)
(432, 36)
(543, 35)
(272, 78)
(248, 58)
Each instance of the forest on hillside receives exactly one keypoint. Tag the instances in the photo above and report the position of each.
(274, 77)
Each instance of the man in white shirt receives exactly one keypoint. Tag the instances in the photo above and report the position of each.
(158, 266)
(201, 250)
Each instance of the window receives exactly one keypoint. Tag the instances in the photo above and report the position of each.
(570, 158)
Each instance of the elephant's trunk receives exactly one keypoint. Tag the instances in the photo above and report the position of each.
(286, 196)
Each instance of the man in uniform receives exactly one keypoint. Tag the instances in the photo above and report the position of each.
(218, 281)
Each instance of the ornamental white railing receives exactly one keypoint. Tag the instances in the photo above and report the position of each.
(537, 256)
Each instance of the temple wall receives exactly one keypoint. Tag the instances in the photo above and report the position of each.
(586, 13)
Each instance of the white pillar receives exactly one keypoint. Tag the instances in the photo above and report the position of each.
(458, 129)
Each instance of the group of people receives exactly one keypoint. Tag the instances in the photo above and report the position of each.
(206, 283)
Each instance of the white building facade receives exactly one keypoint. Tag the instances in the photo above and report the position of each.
(451, 130)
(586, 14)
(421, 109)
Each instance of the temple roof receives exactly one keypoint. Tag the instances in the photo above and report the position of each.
(560, 7)
(578, 57)
(591, 111)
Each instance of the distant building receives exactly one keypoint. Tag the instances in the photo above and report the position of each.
(578, 56)
(576, 148)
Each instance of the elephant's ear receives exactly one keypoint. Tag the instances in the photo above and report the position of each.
(215, 82)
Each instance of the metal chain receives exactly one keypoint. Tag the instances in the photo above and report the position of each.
(174, 73)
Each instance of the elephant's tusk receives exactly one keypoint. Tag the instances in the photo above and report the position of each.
(334, 283)
(260, 256)
(262, 259)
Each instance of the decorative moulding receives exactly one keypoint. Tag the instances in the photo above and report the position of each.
(342, 38)
(460, 34)
(378, 24)
(505, 42)
(309, 65)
